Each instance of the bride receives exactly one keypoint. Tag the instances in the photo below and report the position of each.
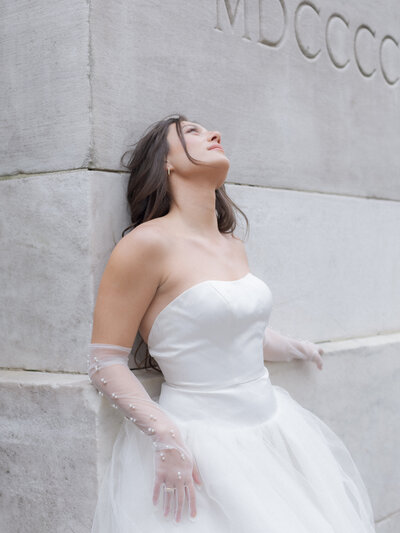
(221, 449)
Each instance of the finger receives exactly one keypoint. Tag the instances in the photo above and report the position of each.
(318, 361)
(192, 500)
(314, 346)
(167, 501)
(196, 474)
(180, 498)
(156, 491)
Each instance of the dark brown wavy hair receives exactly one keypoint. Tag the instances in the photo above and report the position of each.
(148, 191)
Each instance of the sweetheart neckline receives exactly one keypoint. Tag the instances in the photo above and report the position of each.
(189, 289)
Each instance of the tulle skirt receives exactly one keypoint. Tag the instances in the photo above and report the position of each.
(267, 465)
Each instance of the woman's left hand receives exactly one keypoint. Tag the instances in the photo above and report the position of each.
(310, 351)
(278, 347)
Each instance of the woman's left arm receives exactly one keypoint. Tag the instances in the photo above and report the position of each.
(278, 347)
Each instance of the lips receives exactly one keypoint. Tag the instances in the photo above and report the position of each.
(215, 146)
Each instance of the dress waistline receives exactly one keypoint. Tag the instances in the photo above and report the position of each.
(245, 403)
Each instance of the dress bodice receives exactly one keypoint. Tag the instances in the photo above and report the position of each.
(211, 335)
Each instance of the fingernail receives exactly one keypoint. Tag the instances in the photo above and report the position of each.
(193, 518)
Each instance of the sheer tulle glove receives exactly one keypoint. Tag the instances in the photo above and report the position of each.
(278, 347)
(174, 466)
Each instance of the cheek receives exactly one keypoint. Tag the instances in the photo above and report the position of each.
(194, 145)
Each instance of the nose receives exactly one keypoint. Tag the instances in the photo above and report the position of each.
(215, 136)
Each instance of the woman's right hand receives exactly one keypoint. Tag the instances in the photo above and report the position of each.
(178, 470)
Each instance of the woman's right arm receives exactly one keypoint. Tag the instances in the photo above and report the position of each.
(127, 287)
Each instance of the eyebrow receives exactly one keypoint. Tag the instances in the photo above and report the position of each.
(190, 124)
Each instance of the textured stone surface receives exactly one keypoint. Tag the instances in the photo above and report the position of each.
(330, 261)
(55, 442)
(286, 120)
(48, 445)
(45, 98)
(92, 78)
(57, 231)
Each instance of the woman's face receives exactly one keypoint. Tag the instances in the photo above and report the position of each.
(202, 144)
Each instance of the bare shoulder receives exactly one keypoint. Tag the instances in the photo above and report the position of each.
(146, 241)
(130, 280)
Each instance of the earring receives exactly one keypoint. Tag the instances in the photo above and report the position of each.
(169, 172)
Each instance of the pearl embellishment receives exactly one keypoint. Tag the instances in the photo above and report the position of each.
(179, 475)
(95, 364)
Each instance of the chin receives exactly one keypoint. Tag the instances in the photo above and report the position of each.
(224, 159)
(227, 162)
(222, 182)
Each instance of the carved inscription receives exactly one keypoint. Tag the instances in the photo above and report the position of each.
(366, 42)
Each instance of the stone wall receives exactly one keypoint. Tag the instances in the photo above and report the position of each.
(306, 97)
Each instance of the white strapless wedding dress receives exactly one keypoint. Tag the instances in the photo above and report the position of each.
(267, 464)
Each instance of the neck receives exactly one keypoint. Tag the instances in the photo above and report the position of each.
(193, 208)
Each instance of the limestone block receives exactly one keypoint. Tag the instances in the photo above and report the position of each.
(356, 394)
(44, 86)
(56, 439)
(59, 229)
(48, 448)
(307, 99)
(57, 232)
(331, 262)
